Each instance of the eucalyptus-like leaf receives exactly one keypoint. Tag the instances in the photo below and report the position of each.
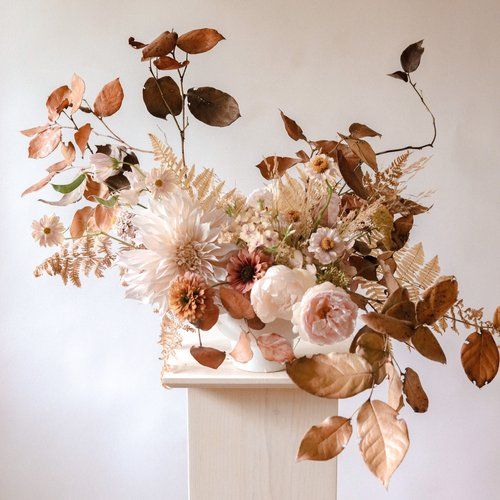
(208, 356)
(199, 41)
(109, 99)
(67, 188)
(44, 142)
(274, 347)
(162, 97)
(427, 345)
(480, 357)
(410, 57)
(212, 106)
(437, 300)
(414, 392)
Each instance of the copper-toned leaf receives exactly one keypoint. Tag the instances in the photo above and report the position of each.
(292, 129)
(395, 328)
(328, 148)
(332, 376)
(395, 395)
(372, 346)
(82, 137)
(304, 157)
(57, 167)
(326, 440)
(403, 310)
(198, 41)
(212, 106)
(80, 220)
(209, 319)
(363, 151)
(360, 300)
(427, 345)
(57, 101)
(399, 295)
(273, 167)
(39, 185)
(399, 75)
(30, 132)
(208, 356)
(104, 217)
(496, 318)
(384, 439)
(274, 347)
(95, 189)
(109, 99)
(242, 351)
(255, 323)
(162, 97)
(135, 43)
(77, 91)
(437, 300)
(44, 143)
(167, 62)
(401, 231)
(480, 357)
(366, 267)
(160, 46)
(358, 131)
(69, 153)
(411, 207)
(414, 392)
(388, 266)
(236, 304)
(410, 57)
(352, 174)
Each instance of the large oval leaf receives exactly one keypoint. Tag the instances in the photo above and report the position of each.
(109, 99)
(331, 376)
(236, 304)
(436, 300)
(410, 57)
(427, 345)
(480, 357)
(160, 46)
(414, 392)
(395, 328)
(384, 439)
(162, 97)
(274, 347)
(273, 167)
(208, 356)
(326, 440)
(212, 106)
(44, 143)
(199, 41)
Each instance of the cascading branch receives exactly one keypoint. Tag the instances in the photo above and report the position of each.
(325, 238)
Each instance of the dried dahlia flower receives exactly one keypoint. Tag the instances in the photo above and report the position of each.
(189, 296)
(245, 268)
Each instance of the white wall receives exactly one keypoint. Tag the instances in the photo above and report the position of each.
(82, 412)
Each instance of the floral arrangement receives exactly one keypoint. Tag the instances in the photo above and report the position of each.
(321, 246)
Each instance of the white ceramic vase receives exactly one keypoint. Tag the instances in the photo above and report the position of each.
(231, 329)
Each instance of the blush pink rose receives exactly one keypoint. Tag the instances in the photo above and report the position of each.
(325, 315)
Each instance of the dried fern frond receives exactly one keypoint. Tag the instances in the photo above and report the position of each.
(90, 254)
(170, 339)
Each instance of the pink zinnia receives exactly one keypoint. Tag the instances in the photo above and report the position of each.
(245, 268)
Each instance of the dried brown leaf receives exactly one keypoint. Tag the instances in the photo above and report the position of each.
(395, 328)
(410, 57)
(273, 167)
(332, 376)
(69, 153)
(326, 440)
(160, 46)
(436, 300)
(399, 295)
(399, 75)
(496, 318)
(242, 351)
(212, 106)
(209, 319)
(82, 137)
(292, 129)
(30, 132)
(363, 151)
(77, 91)
(274, 347)
(162, 97)
(168, 63)
(57, 101)
(79, 222)
(395, 395)
(39, 185)
(199, 41)
(255, 323)
(352, 174)
(208, 356)
(414, 392)
(104, 217)
(480, 357)
(358, 131)
(384, 439)
(44, 143)
(236, 304)
(109, 99)
(403, 310)
(135, 43)
(427, 345)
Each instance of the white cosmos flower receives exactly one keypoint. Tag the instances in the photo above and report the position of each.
(137, 185)
(178, 236)
(161, 182)
(48, 231)
(320, 166)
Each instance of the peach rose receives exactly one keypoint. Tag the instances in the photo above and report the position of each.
(274, 295)
(325, 315)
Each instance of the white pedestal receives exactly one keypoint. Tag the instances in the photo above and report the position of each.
(244, 432)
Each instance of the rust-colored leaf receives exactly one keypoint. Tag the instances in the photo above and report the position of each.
(242, 351)
(372, 346)
(332, 376)
(80, 220)
(199, 41)
(326, 440)
(236, 304)
(401, 231)
(303, 156)
(82, 137)
(57, 101)
(395, 395)
(273, 167)
(427, 345)
(209, 319)
(168, 63)
(160, 46)
(360, 300)
(399, 295)
(44, 143)
(399, 75)
(30, 132)
(292, 129)
(255, 323)
(212, 106)
(404, 310)
(358, 131)
(57, 167)
(39, 185)
(162, 97)
(77, 91)
(135, 43)
(328, 148)
(410, 57)
(352, 174)
(104, 217)
(496, 318)
(414, 392)
(384, 439)
(93, 189)
(109, 99)
(366, 266)
(208, 356)
(395, 328)
(437, 299)
(69, 153)
(363, 151)
(274, 347)
(480, 357)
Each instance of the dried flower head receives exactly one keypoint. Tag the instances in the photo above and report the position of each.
(245, 268)
(320, 166)
(326, 245)
(48, 231)
(189, 296)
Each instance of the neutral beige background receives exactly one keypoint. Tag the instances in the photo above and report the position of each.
(82, 413)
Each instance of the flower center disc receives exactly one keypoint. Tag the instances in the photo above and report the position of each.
(327, 243)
